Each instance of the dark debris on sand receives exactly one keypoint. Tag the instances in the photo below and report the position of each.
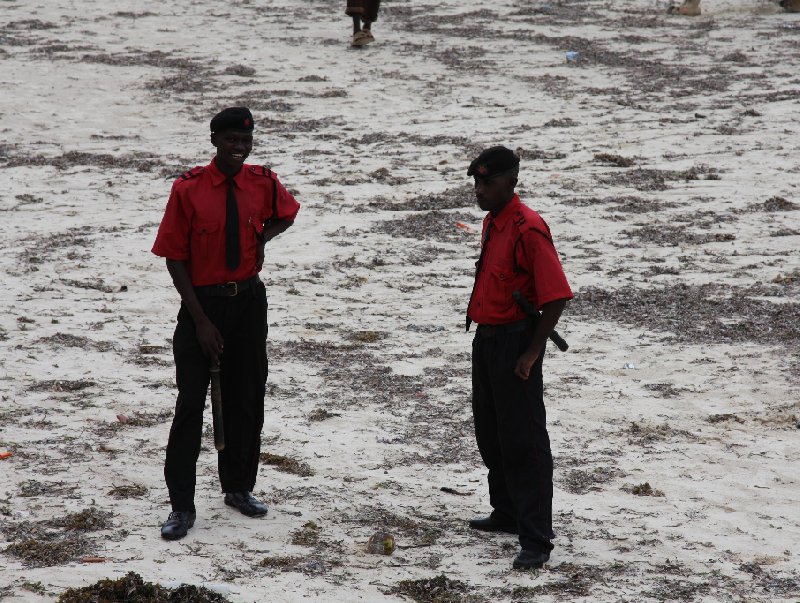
(88, 520)
(452, 198)
(578, 481)
(59, 385)
(49, 549)
(286, 464)
(133, 589)
(428, 226)
(356, 372)
(418, 531)
(772, 582)
(440, 589)
(644, 489)
(128, 491)
(56, 541)
(282, 563)
(672, 236)
(612, 159)
(67, 340)
(650, 75)
(308, 535)
(630, 204)
(648, 179)
(700, 314)
(667, 589)
(642, 434)
(140, 161)
(774, 204)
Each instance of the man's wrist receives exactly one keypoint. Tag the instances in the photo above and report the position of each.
(535, 347)
(199, 317)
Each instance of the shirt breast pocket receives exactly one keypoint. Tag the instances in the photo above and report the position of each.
(498, 286)
(205, 235)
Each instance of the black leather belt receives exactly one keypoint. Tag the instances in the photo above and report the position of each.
(487, 331)
(231, 289)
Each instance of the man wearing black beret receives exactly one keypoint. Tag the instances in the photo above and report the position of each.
(218, 219)
(517, 254)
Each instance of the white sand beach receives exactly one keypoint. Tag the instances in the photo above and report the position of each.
(665, 161)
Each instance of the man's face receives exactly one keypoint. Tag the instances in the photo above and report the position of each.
(233, 147)
(493, 193)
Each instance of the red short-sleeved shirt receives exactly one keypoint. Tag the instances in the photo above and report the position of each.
(518, 255)
(193, 226)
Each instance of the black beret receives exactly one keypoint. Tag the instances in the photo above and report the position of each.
(493, 161)
(232, 118)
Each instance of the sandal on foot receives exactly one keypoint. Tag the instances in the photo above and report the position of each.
(362, 38)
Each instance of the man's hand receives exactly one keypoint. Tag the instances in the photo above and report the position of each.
(210, 340)
(525, 363)
(551, 312)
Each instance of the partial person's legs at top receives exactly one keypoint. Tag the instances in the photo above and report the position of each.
(689, 8)
(370, 14)
(364, 14)
(791, 6)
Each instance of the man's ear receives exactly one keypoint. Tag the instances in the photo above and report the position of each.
(214, 139)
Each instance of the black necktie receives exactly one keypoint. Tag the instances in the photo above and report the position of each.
(231, 228)
(478, 266)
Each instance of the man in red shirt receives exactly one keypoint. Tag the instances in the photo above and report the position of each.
(217, 221)
(517, 254)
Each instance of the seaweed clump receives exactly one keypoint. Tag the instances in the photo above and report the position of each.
(434, 590)
(48, 551)
(133, 589)
(286, 464)
(55, 542)
(612, 159)
(88, 520)
(644, 489)
(308, 535)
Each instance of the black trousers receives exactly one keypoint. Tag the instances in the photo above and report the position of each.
(512, 437)
(366, 9)
(242, 321)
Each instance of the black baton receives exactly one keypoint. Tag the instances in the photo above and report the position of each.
(534, 314)
(216, 408)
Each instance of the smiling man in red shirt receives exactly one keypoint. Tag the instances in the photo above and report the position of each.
(218, 219)
(517, 254)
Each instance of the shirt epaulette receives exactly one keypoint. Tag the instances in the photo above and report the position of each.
(261, 170)
(195, 171)
(545, 232)
(535, 225)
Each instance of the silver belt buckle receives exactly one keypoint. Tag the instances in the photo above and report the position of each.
(235, 288)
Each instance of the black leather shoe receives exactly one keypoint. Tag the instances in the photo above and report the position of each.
(490, 524)
(528, 559)
(177, 524)
(246, 504)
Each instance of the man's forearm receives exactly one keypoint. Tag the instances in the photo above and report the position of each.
(183, 284)
(274, 229)
(551, 312)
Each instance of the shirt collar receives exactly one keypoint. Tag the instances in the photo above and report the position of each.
(218, 177)
(506, 214)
